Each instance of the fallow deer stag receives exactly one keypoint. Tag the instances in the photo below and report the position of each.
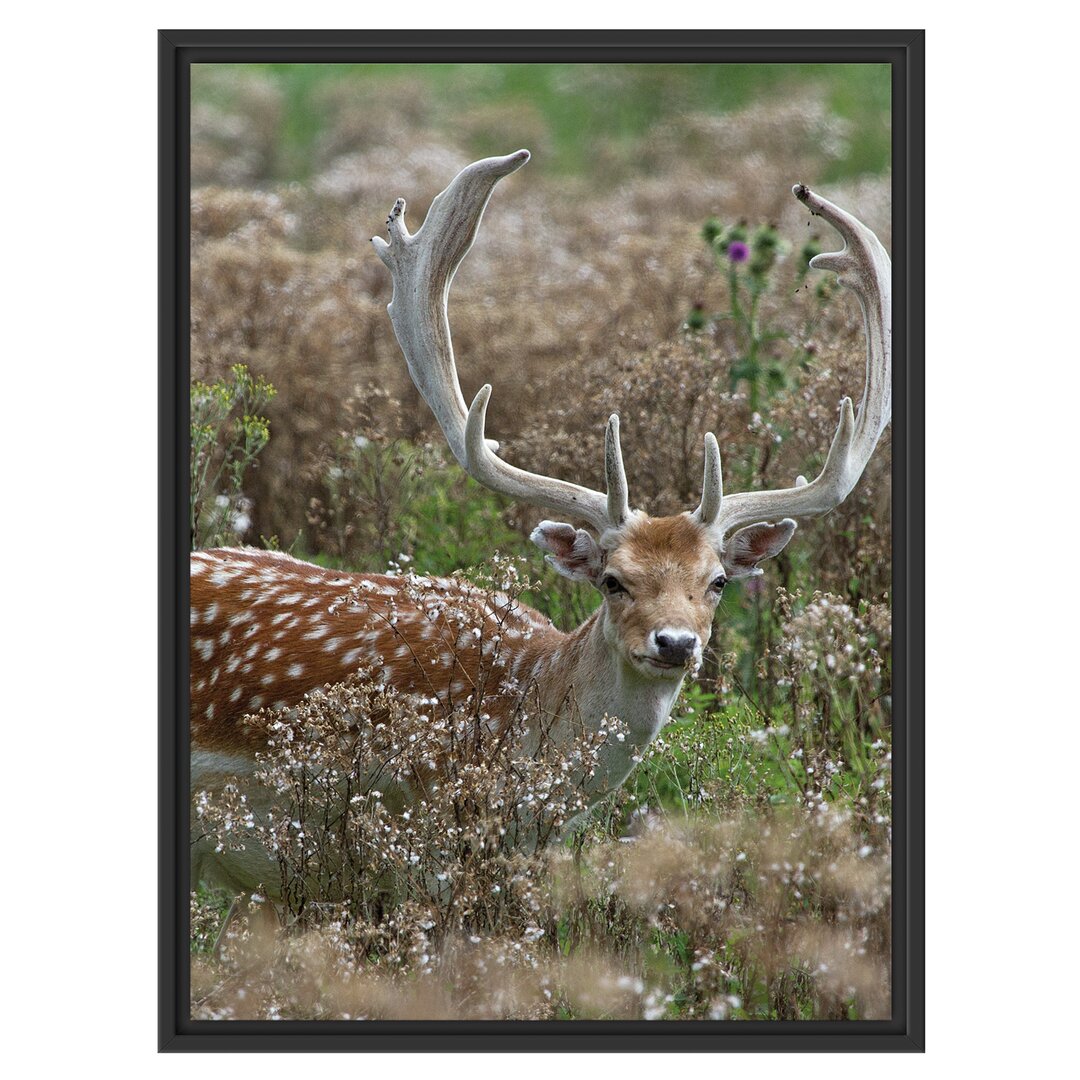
(267, 628)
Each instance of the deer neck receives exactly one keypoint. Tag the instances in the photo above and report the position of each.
(587, 679)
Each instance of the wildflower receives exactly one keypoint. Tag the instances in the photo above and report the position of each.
(738, 252)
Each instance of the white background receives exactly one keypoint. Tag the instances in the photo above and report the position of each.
(79, 447)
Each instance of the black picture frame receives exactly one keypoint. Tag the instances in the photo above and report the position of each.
(904, 51)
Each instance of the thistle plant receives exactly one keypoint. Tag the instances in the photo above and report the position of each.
(227, 435)
(749, 258)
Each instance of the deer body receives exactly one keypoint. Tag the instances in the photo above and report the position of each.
(267, 629)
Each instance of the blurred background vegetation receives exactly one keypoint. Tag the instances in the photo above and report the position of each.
(649, 260)
(579, 106)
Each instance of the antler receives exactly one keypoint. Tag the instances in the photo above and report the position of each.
(423, 266)
(863, 266)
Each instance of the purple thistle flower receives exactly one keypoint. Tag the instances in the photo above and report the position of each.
(738, 252)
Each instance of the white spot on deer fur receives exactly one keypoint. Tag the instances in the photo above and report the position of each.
(273, 653)
(318, 632)
(292, 598)
(223, 577)
(232, 665)
(200, 686)
(401, 652)
(210, 711)
(246, 669)
(312, 602)
(211, 612)
(198, 565)
(256, 701)
(294, 671)
(225, 637)
(351, 656)
(205, 647)
(194, 617)
(235, 695)
(279, 618)
(268, 678)
(372, 636)
(333, 645)
(252, 650)
(457, 687)
(241, 617)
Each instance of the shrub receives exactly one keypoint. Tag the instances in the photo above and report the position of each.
(227, 435)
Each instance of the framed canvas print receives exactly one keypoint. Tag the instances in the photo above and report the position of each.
(541, 640)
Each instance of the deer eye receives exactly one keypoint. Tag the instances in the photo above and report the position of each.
(718, 584)
(611, 585)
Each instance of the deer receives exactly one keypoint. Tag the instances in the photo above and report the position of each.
(267, 629)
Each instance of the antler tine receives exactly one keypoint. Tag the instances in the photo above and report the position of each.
(618, 498)
(712, 487)
(864, 267)
(423, 266)
(569, 499)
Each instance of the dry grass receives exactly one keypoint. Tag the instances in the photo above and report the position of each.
(749, 918)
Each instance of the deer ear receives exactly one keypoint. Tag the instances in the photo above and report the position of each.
(573, 552)
(756, 543)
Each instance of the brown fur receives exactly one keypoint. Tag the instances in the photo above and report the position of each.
(267, 628)
(666, 566)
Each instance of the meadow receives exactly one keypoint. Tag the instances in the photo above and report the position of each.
(743, 871)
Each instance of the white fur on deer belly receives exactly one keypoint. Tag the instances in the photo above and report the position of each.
(237, 871)
(210, 767)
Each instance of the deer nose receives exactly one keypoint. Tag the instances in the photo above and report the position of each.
(675, 646)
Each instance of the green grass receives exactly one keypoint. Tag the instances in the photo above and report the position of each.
(582, 104)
